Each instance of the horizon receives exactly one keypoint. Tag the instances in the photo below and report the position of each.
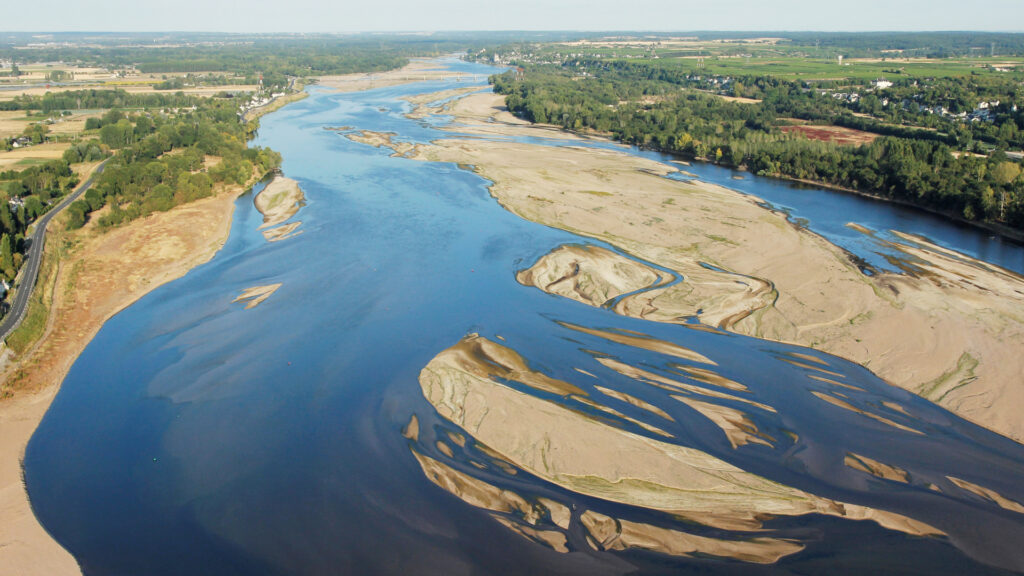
(447, 16)
(432, 32)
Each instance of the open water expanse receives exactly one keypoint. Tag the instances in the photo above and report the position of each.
(194, 436)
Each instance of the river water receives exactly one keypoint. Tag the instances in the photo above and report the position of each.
(195, 436)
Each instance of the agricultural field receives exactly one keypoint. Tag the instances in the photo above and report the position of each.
(14, 122)
(38, 79)
(834, 134)
(32, 156)
(776, 57)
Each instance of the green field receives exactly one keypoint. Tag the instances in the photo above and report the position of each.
(794, 68)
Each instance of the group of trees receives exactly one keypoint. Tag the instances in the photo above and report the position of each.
(97, 98)
(161, 161)
(654, 105)
(25, 196)
(275, 57)
(912, 45)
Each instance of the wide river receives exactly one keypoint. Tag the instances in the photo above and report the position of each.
(195, 436)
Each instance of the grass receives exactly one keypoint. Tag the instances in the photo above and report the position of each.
(34, 324)
(962, 375)
(26, 162)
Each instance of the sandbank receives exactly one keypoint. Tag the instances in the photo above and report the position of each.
(588, 456)
(950, 329)
(417, 70)
(383, 140)
(253, 297)
(279, 200)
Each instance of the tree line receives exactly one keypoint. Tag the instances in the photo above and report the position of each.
(25, 196)
(642, 105)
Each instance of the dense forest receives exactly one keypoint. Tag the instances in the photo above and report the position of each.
(96, 99)
(655, 105)
(161, 161)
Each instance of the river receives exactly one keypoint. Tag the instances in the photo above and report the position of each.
(195, 436)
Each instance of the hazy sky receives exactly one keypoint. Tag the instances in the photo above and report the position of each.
(403, 15)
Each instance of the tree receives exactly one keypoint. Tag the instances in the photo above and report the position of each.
(1006, 172)
(94, 199)
(7, 257)
(76, 214)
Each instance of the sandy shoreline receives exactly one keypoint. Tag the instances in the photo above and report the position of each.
(949, 330)
(417, 70)
(109, 272)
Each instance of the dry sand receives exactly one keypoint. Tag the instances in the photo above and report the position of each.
(876, 468)
(384, 140)
(588, 456)
(253, 297)
(278, 202)
(418, 70)
(100, 275)
(951, 331)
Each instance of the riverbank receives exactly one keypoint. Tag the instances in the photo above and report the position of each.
(98, 275)
(992, 227)
(417, 70)
(950, 329)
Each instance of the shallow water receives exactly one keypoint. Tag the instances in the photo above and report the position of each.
(194, 436)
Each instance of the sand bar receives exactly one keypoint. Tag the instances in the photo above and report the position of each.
(950, 331)
(587, 456)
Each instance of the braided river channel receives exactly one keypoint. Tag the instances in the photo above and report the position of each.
(401, 404)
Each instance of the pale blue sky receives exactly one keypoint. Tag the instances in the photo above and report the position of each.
(405, 15)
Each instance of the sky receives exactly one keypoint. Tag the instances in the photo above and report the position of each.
(441, 15)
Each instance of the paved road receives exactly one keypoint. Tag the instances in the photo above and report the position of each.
(35, 257)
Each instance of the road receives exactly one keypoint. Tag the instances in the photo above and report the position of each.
(34, 258)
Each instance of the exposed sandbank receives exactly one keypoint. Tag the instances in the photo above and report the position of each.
(253, 297)
(279, 200)
(417, 70)
(876, 468)
(950, 330)
(383, 140)
(590, 456)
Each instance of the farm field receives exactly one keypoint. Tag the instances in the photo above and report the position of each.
(835, 134)
(32, 155)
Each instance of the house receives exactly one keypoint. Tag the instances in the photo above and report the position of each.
(882, 84)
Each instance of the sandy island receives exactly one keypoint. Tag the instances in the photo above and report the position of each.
(98, 275)
(279, 200)
(417, 70)
(468, 385)
(951, 329)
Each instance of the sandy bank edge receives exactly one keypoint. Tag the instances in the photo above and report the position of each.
(26, 548)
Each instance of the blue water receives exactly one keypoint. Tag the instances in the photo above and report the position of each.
(194, 436)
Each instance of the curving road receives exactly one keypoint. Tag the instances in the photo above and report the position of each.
(35, 256)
